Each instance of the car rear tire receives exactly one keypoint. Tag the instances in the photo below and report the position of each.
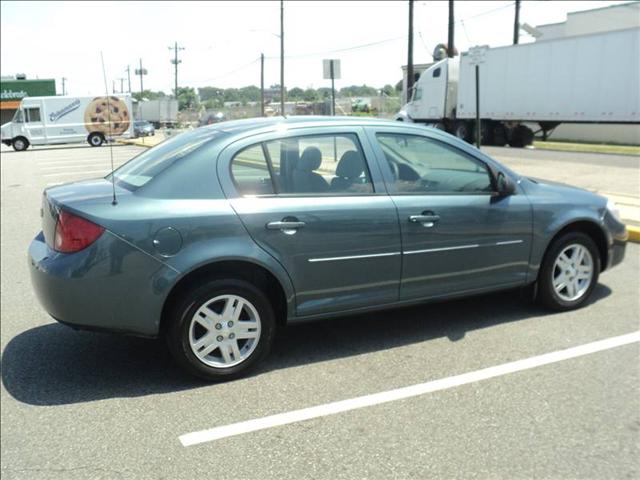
(221, 329)
(569, 272)
(20, 144)
(95, 139)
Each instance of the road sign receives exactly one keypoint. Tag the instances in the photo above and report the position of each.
(477, 55)
(139, 71)
(326, 68)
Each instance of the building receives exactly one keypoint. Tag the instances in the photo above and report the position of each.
(14, 89)
(606, 19)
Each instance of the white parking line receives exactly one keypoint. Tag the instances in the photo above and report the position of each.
(294, 416)
(103, 171)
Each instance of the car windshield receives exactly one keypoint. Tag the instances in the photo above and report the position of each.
(141, 169)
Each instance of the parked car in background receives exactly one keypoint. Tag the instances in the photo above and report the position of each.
(142, 128)
(211, 118)
(223, 233)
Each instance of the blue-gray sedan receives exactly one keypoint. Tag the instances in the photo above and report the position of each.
(218, 236)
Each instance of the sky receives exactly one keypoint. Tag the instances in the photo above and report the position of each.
(223, 40)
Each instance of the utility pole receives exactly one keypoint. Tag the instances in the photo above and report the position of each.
(516, 24)
(64, 91)
(129, 77)
(114, 86)
(121, 84)
(282, 57)
(175, 62)
(450, 45)
(141, 71)
(410, 54)
(262, 84)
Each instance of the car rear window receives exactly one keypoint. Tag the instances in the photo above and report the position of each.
(143, 168)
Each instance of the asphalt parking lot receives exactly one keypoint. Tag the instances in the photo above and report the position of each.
(79, 405)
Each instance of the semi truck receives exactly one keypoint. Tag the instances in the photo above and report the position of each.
(67, 119)
(591, 78)
(162, 112)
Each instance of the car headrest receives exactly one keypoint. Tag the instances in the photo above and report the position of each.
(350, 165)
(310, 160)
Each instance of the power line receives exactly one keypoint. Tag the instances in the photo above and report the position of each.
(356, 47)
(242, 67)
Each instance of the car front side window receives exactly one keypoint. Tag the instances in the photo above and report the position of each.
(421, 165)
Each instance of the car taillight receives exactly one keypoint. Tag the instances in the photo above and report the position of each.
(74, 233)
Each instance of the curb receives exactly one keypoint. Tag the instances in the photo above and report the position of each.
(634, 233)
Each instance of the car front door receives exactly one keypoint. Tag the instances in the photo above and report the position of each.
(313, 200)
(458, 234)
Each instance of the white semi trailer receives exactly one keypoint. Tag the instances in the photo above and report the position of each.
(162, 112)
(583, 79)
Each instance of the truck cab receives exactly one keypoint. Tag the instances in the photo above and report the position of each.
(434, 94)
(26, 127)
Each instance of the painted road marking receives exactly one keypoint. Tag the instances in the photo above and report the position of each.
(217, 433)
(88, 172)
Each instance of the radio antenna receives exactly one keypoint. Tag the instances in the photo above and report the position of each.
(106, 92)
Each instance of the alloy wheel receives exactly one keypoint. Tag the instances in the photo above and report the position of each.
(572, 272)
(224, 331)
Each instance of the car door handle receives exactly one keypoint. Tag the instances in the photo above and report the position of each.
(286, 226)
(425, 220)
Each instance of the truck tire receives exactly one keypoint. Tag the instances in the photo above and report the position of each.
(20, 144)
(95, 139)
(486, 133)
(499, 135)
(462, 130)
(521, 136)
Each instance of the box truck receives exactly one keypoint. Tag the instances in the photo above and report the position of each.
(55, 120)
(162, 112)
(591, 78)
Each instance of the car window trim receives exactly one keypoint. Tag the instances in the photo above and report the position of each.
(267, 156)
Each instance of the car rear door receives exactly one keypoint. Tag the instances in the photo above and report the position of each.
(314, 200)
(458, 234)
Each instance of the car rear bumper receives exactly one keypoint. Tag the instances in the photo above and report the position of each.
(94, 289)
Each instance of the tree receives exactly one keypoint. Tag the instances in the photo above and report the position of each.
(295, 93)
(358, 91)
(388, 90)
(148, 95)
(310, 95)
(187, 98)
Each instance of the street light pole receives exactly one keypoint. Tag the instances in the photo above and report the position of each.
(282, 57)
(129, 77)
(516, 24)
(262, 84)
(141, 86)
(410, 54)
(450, 41)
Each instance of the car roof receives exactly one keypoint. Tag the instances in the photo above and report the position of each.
(266, 123)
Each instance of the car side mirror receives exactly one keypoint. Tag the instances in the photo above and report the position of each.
(505, 185)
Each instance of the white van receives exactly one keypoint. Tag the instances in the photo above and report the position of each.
(55, 120)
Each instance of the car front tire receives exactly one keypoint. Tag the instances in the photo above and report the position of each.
(569, 272)
(221, 329)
